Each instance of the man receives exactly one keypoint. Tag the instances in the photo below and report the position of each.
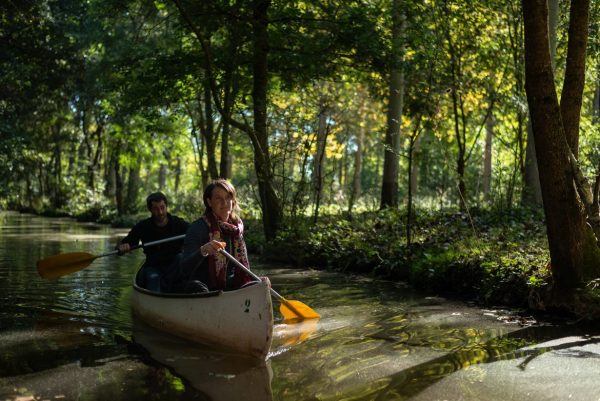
(159, 225)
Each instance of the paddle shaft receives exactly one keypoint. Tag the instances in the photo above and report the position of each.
(254, 276)
(160, 241)
(62, 264)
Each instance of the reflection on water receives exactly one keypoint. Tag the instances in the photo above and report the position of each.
(74, 337)
(217, 375)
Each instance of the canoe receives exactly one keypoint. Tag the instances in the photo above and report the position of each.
(240, 321)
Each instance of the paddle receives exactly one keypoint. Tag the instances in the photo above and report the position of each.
(290, 309)
(66, 263)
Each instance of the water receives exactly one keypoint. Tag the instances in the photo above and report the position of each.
(74, 338)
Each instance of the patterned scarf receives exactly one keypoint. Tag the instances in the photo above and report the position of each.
(217, 264)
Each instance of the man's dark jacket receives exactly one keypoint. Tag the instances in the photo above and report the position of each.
(146, 231)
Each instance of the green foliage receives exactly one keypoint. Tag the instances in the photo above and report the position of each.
(497, 260)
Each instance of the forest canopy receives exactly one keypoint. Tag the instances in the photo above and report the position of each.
(309, 107)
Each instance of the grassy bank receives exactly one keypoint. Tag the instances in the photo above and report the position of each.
(495, 258)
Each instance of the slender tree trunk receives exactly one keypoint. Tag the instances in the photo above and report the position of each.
(298, 197)
(133, 189)
(72, 158)
(226, 159)
(118, 185)
(57, 186)
(457, 113)
(319, 160)
(270, 206)
(356, 189)
(389, 187)
(596, 104)
(413, 140)
(565, 218)
(414, 169)
(29, 191)
(409, 200)
(177, 175)
(162, 177)
(109, 176)
(532, 191)
(572, 94)
(209, 134)
(487, 157)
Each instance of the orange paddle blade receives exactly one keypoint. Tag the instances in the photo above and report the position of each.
(295, 310)
(63, 264)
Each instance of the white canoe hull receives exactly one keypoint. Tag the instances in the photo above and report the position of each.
(240, 320)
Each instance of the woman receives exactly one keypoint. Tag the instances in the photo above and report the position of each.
(201, 267)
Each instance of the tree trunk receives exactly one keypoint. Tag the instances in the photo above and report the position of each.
(389, 186)
(133, 189)
(409, 198)
(487, 157)
(319, 160)
(572, 94)
(57, 188)
(458, 113)
(565, 218)
(162, 177)
(118, 185)
(356, 189)
(226, 159)
(596, 104)
(532, 191)
(109, 176)
(177, 175)
(270, 206)
(208, 132)
(414, 169)
(228, 98)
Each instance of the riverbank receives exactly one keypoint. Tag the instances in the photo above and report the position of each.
(495, 258)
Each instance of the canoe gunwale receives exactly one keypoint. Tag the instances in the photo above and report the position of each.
(176, 294)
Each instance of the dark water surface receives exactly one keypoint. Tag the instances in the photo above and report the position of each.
(74, 338)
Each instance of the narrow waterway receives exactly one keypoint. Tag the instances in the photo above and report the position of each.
(74, 338)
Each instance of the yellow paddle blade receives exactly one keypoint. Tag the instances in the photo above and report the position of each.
(63, 264)
(296, 310)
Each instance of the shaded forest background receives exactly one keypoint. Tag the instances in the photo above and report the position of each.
(314, 109)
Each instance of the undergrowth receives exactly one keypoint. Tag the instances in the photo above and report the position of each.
(494, 257)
